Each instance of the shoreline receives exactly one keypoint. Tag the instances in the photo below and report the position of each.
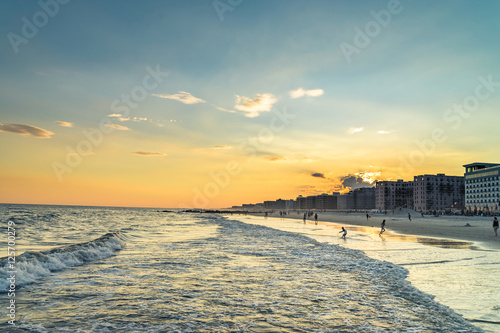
(435, 231)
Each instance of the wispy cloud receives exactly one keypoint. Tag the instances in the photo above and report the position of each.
(260, 103)
(221, 147)
(354, 130)
(277, 158)
(225, 110)
(383, 132)
(64, 123)
(148, 154)
(181, 96)
(301, 92)
(26, 130)
(118, 127)
(114, 115)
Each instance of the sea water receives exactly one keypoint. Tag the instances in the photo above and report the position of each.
(89, 269)
(459, 274)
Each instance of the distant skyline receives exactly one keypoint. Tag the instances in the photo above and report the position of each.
(217, 103)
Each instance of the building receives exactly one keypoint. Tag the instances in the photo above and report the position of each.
(326, 202)
(346, 201)
(393, 194)
(317, 202)
(280, 204)
(482, 191)
(300, 202)
(364, 198)
(437, 192)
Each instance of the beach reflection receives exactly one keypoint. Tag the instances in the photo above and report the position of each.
(391, 236)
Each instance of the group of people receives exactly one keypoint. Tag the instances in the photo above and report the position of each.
(382, 225)
(310, 214)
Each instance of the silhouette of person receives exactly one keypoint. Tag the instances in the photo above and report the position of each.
(344, 232)
(316, 218)
(495, 225)
(382, 227)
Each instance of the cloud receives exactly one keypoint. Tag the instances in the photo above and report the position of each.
(353, 130)
(225, 110)
(64, 123)
(221, 147)
(300, 92)
(383, 132)
(124, 119)
(114, 115)
(147, 153)
(341, 184)
(359, 179)
(21, 129)
(118, 127)
(318, 175)
(276, 158)
(181, 96)
(260, 103)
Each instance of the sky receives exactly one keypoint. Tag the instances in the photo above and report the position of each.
(211, 104)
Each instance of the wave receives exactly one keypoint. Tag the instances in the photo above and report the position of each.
(32, 265)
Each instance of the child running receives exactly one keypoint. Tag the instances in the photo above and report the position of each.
(344, 231)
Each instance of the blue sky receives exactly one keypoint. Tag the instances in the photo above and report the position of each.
(364, 113)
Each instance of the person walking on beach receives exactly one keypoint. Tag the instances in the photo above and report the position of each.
(367, 217)
(316, 218)
(305, 215)
(495, 225)
(409, 217)
(344, 232)
(382, 227)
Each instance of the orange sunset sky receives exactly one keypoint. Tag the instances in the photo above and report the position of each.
(214, 104)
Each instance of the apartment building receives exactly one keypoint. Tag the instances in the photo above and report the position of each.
(320, 202)
(437, 192)
(482, 190)
(393, 194)
(364, 198)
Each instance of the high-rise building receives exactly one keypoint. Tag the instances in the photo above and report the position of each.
(326, 202)
(437, 192)
(346, 201)
(393, 194)
(321, 202)
(280, 204)
(482, 189)
(364, 198)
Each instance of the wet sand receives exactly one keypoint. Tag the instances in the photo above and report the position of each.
(443, 231)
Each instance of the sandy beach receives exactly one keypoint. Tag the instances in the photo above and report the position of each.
(438, 231)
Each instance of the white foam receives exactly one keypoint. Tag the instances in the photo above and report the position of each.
(31, 266)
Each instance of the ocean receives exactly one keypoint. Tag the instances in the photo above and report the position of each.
(94, 269)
